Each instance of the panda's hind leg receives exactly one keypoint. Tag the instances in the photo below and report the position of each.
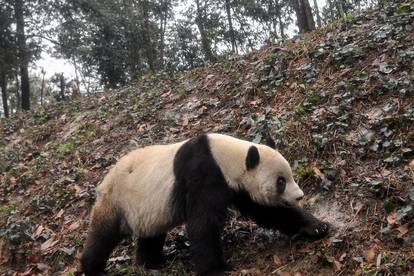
(149, 252)
(105, 232)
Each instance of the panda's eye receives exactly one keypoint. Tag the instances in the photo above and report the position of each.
(280, 184)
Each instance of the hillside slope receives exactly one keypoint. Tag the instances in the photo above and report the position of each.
(339, 101)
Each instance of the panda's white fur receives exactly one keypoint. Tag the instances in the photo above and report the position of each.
(140, 184)
(230, 154)
(155, 188)
(142, 181)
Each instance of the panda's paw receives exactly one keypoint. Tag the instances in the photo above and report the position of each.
(316, 230)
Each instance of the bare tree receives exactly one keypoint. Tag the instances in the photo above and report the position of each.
(318, 15)
(304, 15)
(4, 97)
(205, 40)
(42, 89)
(231, 30)
(23, 54)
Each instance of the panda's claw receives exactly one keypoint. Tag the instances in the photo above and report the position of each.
(316, 230)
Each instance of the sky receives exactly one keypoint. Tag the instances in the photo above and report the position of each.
(54, 65)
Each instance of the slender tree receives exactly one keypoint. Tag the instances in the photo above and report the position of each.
(304, 15)
(205, 40)
(4, 96)
(7, 53)
(231, 30)
(318, 15)
(42, 89)
(23, 54)
(340, 7)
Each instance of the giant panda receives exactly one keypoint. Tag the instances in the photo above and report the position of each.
(194, 182)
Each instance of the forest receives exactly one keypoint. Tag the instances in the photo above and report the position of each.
(111, 43)
(332, 82)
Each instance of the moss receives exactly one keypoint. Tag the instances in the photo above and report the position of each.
(7, 209)
(303, 172)
(313, 98)
(300, 111)
(66, 148)
(103, 115)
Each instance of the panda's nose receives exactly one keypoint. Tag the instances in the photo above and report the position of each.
(299, 198)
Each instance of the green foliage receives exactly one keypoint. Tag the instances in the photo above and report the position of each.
(303, 172)
(300, 111)
(66, 148)
(312, 99)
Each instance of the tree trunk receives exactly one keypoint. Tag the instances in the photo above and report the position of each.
(3, 84)
(304, 15)
(231, 30)
(340, 8)
(18, 97)
(75, 65)
(42, 89)
(205, 41)
(62, 87)
(318, 16)
(281, 26)
(274, 18)
(310, 22)
(331, 10)
(150, 52)
(163, 27)
(23, 54)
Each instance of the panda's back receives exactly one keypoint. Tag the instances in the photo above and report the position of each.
(141, 183)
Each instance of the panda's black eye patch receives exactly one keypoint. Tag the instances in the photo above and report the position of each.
(280, 184)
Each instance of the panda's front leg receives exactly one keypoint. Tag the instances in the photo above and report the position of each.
(297, 222)
(311, 227)
(291, 220)
(206, 248)
(206, 216)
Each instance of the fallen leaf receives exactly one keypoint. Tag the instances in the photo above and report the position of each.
(412, 165)
(29, 271)
(319, 173)
(185, 122)
(379, 259)
(277, 260)
(283, 273)
(4, 252)
(337, 266)
(38, 231)
(403, 229)
(392, 218)
(369, 254)
(78, 189)
(43, 267)
(47, 245)
(74, 225)
(59, 215)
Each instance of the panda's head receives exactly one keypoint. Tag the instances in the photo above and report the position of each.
(268, 176)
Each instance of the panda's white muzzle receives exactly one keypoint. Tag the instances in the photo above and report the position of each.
(293, 193)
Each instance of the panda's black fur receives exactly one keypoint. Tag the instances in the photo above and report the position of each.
(200, 199)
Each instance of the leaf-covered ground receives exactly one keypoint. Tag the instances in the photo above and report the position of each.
(339, 101)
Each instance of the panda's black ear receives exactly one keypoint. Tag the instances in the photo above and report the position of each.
(252, 158)
(270, 142)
